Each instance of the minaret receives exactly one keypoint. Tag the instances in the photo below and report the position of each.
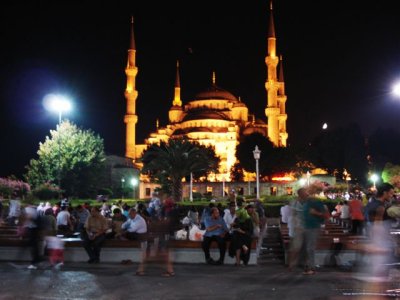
(131, 95)
(283, 135)
(272, 110)
(175, 111)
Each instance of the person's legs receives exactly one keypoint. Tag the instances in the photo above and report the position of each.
(222, 249)
(311, 236)
(97, 243)
(206, 248)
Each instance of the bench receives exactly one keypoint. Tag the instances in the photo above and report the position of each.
(115, 251)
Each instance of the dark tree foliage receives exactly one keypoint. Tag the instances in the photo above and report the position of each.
(168, 163)
(383, 146)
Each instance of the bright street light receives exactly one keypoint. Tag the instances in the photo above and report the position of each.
(122, 184)
(58, 103)
(396, 89)
(374, 178)
(257, 154)
(134, 183)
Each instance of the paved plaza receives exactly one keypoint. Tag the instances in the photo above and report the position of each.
(192, 281)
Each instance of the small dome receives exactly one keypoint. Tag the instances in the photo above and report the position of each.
(215, 92)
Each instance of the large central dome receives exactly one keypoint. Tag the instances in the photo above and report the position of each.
(215, 92)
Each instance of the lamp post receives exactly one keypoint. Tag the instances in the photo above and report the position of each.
(223, 186)
(122, 185)
(134, 183)
(256, 154)
(59, 104)
(308, 175)
(191, 188)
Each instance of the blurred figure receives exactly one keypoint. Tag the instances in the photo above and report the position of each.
(30, 218)
(356, 215)
(379, 232)
(314, 216)
(296, 228)
(285, 213)
(55, 247)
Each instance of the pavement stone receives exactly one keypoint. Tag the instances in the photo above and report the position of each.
(192, 281)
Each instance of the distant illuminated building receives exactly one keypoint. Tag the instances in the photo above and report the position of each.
(214, 116)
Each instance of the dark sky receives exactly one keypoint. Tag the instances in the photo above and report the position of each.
(340, 61)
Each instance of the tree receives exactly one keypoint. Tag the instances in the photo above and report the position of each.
(168, 163)
(391, 174)
(74, 154)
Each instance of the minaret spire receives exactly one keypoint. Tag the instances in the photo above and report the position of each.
(275, 110)
(132, 45)
(131, 95)
(271, 27)
(213, 78)
(177, 97)
(175, 112)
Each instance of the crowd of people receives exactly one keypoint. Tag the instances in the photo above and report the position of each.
(306, 214)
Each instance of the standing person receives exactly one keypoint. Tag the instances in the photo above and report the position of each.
(64, 222)
(30, 217)
(314, 216)
(296, 228)
(356, 215)
(154, 208)
(215, 231)
(285, 213)
(378, 230)
(14, 210)
(94, 234)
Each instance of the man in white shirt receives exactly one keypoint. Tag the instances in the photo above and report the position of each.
(285, 213)
(135, 228)
(230, 216)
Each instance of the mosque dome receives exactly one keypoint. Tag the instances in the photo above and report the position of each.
(215, 92)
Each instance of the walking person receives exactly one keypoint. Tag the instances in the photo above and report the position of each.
(314, 216)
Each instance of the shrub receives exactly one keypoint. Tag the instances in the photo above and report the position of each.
(10, 186)
(46, 191)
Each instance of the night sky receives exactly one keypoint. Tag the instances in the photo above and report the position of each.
(340, 60)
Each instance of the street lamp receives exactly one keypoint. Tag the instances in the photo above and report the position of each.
(191, 188)
(308, 175)
(256, 154)
(374, 179)
(134, 183)
(122, 185)
(59, 104)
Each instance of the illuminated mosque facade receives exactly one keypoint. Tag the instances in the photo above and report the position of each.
(214, 116)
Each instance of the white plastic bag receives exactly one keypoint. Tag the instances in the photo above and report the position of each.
(196, 234)
(181, 234)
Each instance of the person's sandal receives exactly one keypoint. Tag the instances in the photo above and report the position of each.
(139, 273)
(309, 272)
(168, 274)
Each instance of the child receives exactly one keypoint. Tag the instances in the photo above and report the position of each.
(55, 247)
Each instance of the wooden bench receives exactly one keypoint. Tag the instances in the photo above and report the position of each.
(115, 251)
